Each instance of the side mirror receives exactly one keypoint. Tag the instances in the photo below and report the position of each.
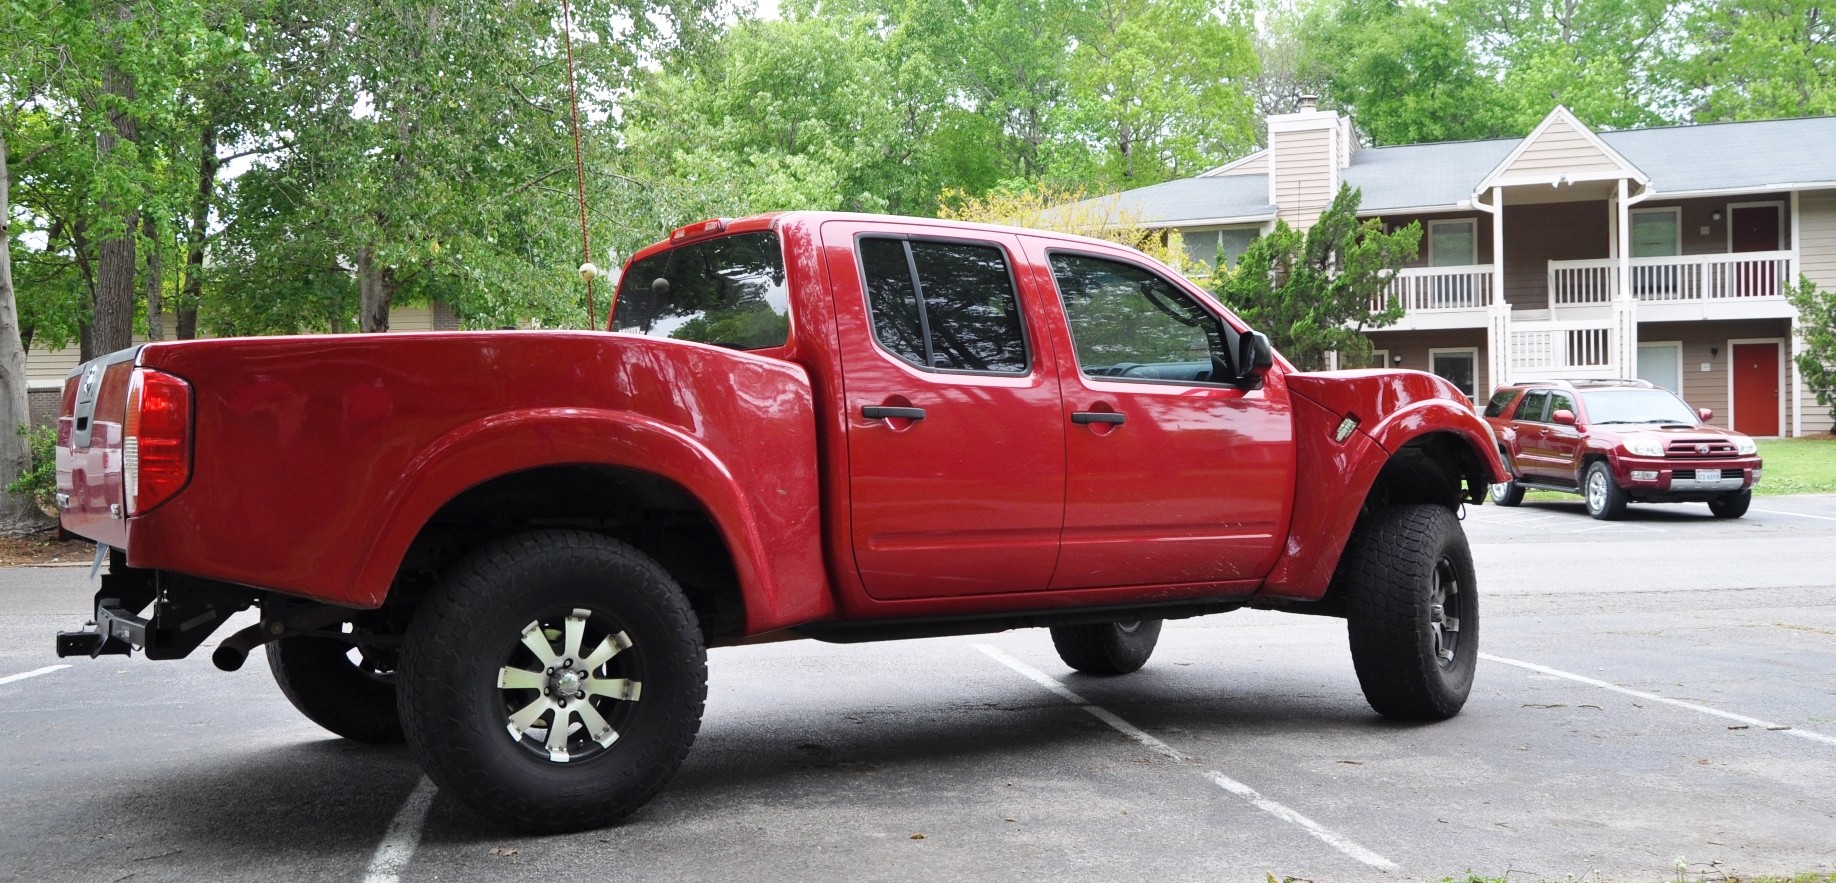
(1254, 359)
(1564, 417)
(1706, 414)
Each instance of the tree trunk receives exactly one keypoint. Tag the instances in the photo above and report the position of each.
(374, 289)
(18, 513)
(196, 233)
(112, 324)
(156, 280)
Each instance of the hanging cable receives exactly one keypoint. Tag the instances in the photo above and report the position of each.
(588, 271)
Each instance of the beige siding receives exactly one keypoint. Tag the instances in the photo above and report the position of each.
(1303, 174)
(1259, 166)
(1817, 241)
(1558, 149)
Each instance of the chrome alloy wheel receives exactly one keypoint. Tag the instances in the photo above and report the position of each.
(1596, 491)
(569, 685)
(1445, 606)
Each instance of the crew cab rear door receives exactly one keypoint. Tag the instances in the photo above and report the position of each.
(1174, 475)
(955, 431)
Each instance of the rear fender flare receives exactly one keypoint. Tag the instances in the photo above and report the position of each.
(508, 443)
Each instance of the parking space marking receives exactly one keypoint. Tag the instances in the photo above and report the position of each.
(1280, 811)
(1652, 697)
(32, 674)
(404, 836)
(1798, 514)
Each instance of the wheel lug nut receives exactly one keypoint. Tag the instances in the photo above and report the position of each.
(567, 663)
(580, 695)
(550, 671)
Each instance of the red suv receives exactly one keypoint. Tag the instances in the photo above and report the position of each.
(1618, 441)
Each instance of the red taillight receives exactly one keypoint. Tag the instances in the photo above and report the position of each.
(156, 439)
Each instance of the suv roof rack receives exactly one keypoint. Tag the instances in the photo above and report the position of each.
(1587, 383)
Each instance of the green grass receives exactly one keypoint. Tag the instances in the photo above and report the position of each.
(1793, 466)
(1798, 465)
(1718, 877)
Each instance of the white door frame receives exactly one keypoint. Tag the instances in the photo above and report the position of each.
(1781, 342)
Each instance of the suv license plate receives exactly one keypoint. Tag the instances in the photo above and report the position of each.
(1708, 475)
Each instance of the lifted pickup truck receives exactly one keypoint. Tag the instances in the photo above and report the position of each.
(514, 548)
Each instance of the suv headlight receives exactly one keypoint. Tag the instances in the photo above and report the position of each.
(1745, 445)
(1645, 447)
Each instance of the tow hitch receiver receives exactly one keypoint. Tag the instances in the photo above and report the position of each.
(184, 612)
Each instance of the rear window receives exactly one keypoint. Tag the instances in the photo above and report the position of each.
(728, 292)
(1500, 401)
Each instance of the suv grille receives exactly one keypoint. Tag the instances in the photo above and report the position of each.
(1694, 450)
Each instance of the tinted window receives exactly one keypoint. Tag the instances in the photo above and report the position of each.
(1128, 322)
(1500, 400)
(727, 291)
(947, 305)
(1560, 402)
(1532, 407)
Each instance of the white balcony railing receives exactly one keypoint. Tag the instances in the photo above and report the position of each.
(1686, 279)
(1425, 289)
(1561, 349)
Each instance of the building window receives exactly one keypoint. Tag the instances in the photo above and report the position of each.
(1379, 359)
(1458, 366)
(1453, 243)
(1656, 232)
(1206, 248)
(1662, 364)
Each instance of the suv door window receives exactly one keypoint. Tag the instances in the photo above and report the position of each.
(1560, 402)
(1532, 407)
(1500, 400)
(945, 305)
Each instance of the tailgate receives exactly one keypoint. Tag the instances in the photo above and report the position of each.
(91, 496)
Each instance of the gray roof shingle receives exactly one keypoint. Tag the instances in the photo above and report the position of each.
(1754, 156)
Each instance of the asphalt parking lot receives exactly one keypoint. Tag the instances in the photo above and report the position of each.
(1653, 691)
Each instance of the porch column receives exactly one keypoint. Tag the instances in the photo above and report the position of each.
(1498, 333)
(1625, 307)
(1797, 338)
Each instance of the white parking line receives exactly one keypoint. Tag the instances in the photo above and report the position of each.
(32, 674)
(1652, 697)
(1277, 810)
(1798, 514)
(404, 836)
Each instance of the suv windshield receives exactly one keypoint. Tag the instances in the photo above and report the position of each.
(1637, 406)
(728, 292)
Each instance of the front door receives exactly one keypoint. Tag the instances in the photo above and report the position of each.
(1756, 388)
(1755, 228)
(956, 440)
(1174, 475)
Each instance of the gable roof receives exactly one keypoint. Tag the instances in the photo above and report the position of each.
(1678, 160)
(1561, 148)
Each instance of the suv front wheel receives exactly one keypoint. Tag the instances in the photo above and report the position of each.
(1605, 499)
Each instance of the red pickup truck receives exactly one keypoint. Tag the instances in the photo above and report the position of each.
(514, 548)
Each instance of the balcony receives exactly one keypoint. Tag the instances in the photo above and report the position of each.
(1747, 285)
(1439, 297)
(1560, 349)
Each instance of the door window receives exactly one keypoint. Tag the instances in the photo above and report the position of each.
(1129, 323)
(1531, 409)
(1560, 402)
(944, 305)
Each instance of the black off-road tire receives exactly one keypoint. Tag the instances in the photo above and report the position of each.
(576, 593)
(1732, 505)
(1606, 500)
(1414, 662)
(1107, 648)
(353, 698)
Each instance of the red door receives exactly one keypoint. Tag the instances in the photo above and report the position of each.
(1756, 388)
(1755, 228)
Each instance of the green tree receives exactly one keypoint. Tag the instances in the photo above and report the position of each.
(1759, 59)
(1312, 293)
(1407, 72)
(1597, 57)
(1817, 326)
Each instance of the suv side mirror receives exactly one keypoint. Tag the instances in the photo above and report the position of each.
(1706, 414)
(1564, 417)
(1254, 359)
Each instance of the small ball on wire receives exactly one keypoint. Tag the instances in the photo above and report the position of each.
(589, 271)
